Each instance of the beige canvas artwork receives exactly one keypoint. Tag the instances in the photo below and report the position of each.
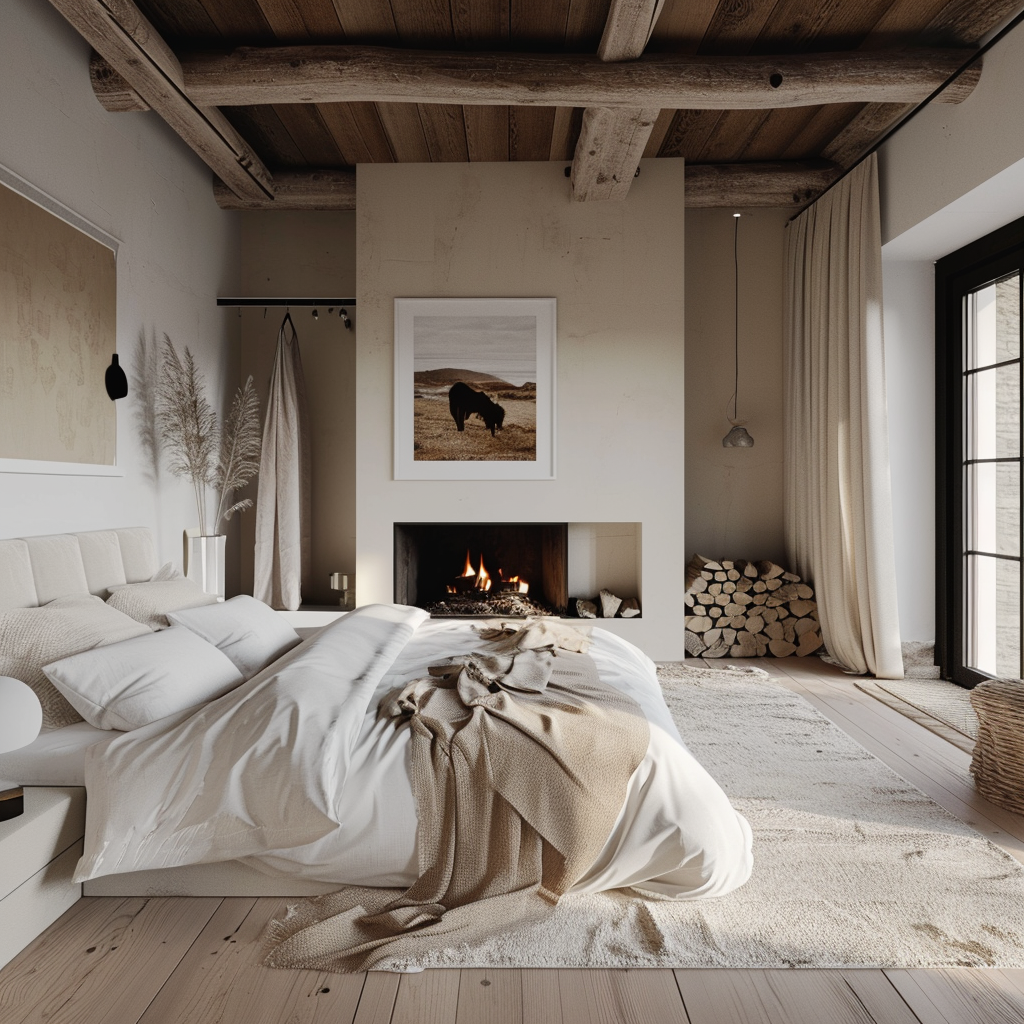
(58, 297)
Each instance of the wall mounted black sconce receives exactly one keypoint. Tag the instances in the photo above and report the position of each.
(115, 380)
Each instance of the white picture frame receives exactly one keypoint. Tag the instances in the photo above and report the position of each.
(507, 349)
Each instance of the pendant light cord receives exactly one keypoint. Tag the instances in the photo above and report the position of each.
(736, 314)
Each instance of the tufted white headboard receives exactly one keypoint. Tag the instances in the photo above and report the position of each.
(35, 570)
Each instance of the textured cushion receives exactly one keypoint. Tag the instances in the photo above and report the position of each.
(249, 632)
(149, 603)
(17, 585)
(101, 557)
(33, 637)
(57, 566)
(130, 684)
(137, 553)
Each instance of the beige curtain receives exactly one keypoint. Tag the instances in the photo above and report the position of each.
(283, 499)
(838, 502)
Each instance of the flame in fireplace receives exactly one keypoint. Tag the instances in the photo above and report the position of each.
(483, 579)
(514, 583)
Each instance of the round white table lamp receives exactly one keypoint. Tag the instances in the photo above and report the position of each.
(21, 715)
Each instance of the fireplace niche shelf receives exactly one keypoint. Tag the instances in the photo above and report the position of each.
(431, 557)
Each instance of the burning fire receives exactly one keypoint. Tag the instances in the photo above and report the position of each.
(514, 583)
(483, 579)
(480, 580)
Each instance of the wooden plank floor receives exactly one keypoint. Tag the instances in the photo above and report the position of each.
(195, 961)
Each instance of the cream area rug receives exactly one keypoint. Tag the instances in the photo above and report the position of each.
(853, 866)
(940, 706)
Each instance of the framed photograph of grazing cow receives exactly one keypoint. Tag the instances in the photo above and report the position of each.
(474, 389)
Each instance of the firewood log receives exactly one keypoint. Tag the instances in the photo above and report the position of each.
(809, 643)
(586, 609)
(629, 608)
(747, 609)
(609, 604)
(693, 643)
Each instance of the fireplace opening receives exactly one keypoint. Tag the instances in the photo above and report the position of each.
(482, 569)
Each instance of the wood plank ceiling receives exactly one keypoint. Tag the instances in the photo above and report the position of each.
(297, 138)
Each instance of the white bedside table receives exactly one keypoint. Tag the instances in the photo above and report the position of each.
(38, 853)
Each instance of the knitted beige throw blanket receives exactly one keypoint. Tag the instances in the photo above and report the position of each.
(520, 758)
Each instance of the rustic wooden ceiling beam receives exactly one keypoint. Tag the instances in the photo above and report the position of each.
(143, 61)
(338, 74)
(296, 190)
(773, 183)
(777, 183)
(612, 138)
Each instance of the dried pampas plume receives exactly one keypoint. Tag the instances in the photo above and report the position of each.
(189, 435)
(239, 450)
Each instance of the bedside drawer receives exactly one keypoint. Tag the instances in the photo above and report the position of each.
(54, 818)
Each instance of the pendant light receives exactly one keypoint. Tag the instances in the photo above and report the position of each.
(738, 436)
(114, 380)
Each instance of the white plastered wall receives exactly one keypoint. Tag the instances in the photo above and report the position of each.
(734, 495)
(950, 176)
(616, 270)
(132, 177)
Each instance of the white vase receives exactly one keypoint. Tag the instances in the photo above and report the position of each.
(205, 563)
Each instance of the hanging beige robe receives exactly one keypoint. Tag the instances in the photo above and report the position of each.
(282, 562)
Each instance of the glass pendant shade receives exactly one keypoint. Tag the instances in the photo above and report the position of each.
(738, 438)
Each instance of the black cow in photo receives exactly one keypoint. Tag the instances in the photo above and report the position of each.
(463, 401)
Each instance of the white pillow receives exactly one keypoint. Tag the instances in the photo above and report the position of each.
(150, 602)
(33, 637)
(135, 682)
(249, 632)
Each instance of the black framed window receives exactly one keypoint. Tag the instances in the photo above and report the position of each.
(980, 383)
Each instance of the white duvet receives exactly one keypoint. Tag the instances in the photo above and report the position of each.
(293, 773)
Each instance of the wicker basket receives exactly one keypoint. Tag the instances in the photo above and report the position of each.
(998, 762)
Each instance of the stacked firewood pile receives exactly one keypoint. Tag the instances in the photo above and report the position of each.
(748, 610)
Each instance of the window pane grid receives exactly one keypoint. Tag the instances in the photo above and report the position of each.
(991, 466)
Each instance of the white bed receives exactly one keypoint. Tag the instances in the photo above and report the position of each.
(676, 830)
